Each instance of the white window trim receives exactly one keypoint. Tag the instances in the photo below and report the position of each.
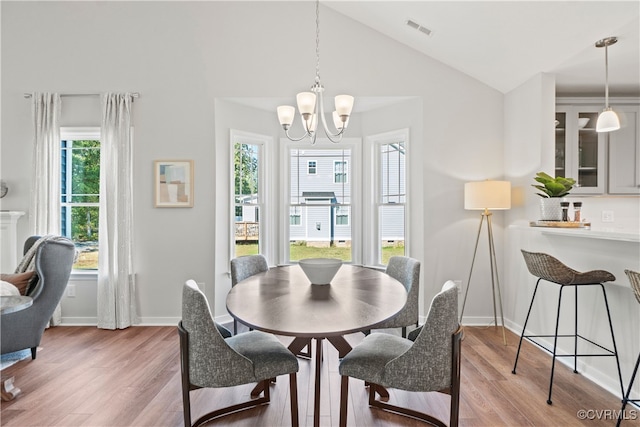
(265, 233)
(372, 200)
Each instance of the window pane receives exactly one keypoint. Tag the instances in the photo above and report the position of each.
(80, 197)
(247, 231)
(246, 173)
(392, 173)
(391, 220)
(319, 204)
(83, 222)
(247, 198)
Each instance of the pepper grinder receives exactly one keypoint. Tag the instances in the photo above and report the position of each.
(565, 210)
(577, 206)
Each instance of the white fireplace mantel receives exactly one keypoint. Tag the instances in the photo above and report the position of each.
(9, 240)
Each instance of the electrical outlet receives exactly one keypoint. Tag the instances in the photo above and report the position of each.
(459, 285)
(607, 216)
(71, 291)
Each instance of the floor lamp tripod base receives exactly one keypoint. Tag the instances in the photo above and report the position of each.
(495, 281)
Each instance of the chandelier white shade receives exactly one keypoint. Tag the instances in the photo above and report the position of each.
(607, 120)
(311, 104)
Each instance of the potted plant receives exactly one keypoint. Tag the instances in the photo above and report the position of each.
(552, 190)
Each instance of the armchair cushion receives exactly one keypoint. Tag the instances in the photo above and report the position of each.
(22, 281)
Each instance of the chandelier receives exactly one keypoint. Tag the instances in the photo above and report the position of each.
(607, 120)
(311, 104)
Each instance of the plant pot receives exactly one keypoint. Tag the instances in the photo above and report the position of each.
(550, 209)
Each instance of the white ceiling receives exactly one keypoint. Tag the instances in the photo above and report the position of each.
(505, 43)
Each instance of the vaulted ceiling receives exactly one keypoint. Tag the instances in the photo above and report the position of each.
(505, 43)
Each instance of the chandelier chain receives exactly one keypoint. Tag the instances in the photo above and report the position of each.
(318, 41)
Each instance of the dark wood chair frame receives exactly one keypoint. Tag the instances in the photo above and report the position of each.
(187, 387)
(453, 391)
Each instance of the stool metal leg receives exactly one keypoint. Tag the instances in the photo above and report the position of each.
(555, 346)
(613, 338)
(524, 328)
(575, 335)
(626, 396)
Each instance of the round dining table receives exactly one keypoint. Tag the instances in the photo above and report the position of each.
(282, 301)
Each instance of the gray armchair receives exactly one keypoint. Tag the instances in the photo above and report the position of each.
(53, 262)
(407, 271)
(243, 267)
(209, 360)
(430, 363)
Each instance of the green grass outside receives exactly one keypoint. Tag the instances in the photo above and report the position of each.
(299, 252)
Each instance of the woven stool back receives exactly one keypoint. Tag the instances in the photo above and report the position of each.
(634, 278)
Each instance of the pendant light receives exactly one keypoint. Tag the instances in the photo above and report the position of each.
(607, 120)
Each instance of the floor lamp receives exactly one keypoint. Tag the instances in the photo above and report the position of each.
(486, 196)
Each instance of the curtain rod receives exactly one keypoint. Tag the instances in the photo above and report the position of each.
(133, 94)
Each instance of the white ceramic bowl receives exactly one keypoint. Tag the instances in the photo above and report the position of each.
(320, 271)
(583, 122)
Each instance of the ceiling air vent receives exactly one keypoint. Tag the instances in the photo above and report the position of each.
(416, 26)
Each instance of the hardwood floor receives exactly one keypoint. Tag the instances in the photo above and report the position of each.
(85, 376)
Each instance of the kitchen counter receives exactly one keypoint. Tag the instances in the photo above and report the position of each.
(603, 233)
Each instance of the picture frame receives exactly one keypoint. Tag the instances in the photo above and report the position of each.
(173, 183)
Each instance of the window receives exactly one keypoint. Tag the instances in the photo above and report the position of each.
(248, 191)
(80, 192)
(342, 215)
(311, 167)
(339, 171)
(319, 210)
(390, 199)
(294, 215)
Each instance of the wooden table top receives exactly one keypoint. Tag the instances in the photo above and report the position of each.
(283, 301)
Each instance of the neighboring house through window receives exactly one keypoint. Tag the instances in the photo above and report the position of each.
(311, 167)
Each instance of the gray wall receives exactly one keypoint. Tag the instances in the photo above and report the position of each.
(186, 58)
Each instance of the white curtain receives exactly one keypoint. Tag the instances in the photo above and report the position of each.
(44, 210)
(116, 277)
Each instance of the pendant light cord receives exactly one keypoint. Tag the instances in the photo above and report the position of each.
(606, 76)
(318, 41)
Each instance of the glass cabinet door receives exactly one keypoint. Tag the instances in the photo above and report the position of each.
(561, 144)
(580, 150)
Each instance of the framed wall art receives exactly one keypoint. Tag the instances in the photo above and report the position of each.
(173, 183)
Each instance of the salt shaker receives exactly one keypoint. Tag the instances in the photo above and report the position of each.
(576, 211)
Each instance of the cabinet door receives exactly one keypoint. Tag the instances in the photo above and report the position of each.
(624, 152)
(582, 147)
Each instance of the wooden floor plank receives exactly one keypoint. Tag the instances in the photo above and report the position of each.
(85, 376)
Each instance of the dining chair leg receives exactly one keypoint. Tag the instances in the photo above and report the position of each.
(344, 399)
(293, 390)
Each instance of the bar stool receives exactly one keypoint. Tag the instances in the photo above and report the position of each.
(634, 278)
(550, 269)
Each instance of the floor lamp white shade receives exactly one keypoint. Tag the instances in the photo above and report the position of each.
(490, 195)
(487, 196)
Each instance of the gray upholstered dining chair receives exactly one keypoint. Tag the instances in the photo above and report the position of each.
(52, 260)
(430, 363)
(407, 271)
(243, 267)
(209, 360)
